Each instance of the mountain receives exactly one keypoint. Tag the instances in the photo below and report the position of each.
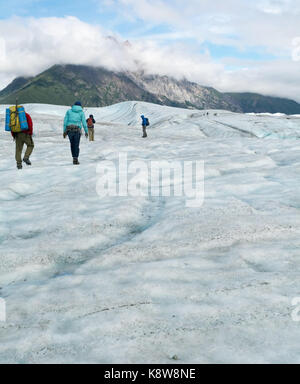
(62, 85)
(184, 92)
(15, 85)
(253, 102)
(98, 87)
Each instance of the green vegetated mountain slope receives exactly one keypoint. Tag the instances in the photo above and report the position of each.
(253, 102)
(14, 86)
(62, 85)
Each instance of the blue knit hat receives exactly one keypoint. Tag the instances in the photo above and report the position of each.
(78, 103)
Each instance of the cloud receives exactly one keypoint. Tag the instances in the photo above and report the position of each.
(28, 46)
(31, 45)
(270, 24)
(277, 78)
(275, 7)
(296, 49)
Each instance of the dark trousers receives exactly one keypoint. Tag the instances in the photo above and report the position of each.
(74, 138)
(144, 131)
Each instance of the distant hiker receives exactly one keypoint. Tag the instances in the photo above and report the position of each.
(73, 122)
(90, 123)
(145, 124)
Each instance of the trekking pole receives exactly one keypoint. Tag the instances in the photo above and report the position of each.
(17, 112)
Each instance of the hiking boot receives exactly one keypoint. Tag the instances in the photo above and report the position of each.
(75, 161)
(27, 161)
(19, 166)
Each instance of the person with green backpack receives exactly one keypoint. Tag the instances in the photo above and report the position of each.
(19, 123)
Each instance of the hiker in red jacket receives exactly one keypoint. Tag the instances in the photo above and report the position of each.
(90, 123)
(21, 138)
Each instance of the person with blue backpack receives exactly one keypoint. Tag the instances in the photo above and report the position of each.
(145, 124)
(74, 121)
(20, 125)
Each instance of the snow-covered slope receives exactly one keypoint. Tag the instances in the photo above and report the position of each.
(139, 280)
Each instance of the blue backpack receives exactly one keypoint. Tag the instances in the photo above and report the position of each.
(15, 119)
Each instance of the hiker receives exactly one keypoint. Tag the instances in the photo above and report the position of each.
(21, 138)
(73, 122)
(145, 124)
(90, 124)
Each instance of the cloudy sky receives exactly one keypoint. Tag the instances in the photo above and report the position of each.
(232, 45)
